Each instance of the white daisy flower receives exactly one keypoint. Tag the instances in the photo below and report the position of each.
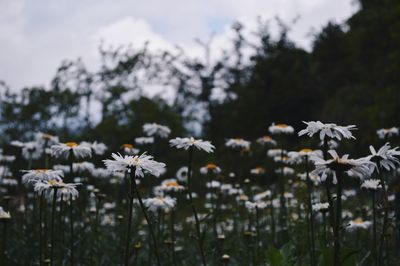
(210, 168)
(286, 171)
(33, 176)
(4, 215)
(30, 150)
(63, 150)
(371, 184)
(280, 129)
(358, 224)
(257, 171)
(333, 131)
(9, 182)
(159, 203)
(82, 167)
(238, 143)
(98, 148)
(387, 132)
(182, 173)
(251, 206)
(385, 157)
(129, 149)
(144, 140)
(46, 139)
(142, 164)
(359, 168)
(154, 129)
(266, 140)
(186, 143)
(64, 190)
(320, 207)
(171, 185)
(272, 153)
(263, 195)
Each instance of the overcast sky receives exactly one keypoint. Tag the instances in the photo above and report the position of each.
(36, 35)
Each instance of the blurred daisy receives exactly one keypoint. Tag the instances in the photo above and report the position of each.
(263, 195)
(64, 190)
(44, 139)
(385, 157)
(186, 143)
(320, 207)
(266, 140)
(333, 131)
(210, 168)
(142, 164)
(387, 132)
(280, 129)
(4, 215)
(257, 171)
(30, 150)
(144, 140)
(65, 149)
(358, 224)
(153, 129)
(82, 167)
(251, 206)
(286, 171)
(9, 182)
(182, 173)
(129, 149)
(97, 147)
(171, 185)
(332, 144)
(32, 176)
(213, 184)
(371, 184)
(275, 152)
(238, 143)
(159, 203)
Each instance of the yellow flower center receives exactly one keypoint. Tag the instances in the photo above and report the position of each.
(281, 125)
(127, 146)
(54, 182)
(267, 138)
(43, 170)
(71, 144)
(172, 184)
(47, 136)
(211, 166)
(306, 150)
(358, 221)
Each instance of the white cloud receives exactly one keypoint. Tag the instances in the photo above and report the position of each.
(36, 35)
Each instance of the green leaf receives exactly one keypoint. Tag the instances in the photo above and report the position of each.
(274, 257)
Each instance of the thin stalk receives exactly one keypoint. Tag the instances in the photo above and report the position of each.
(374, 240)
(385, 220)
(40, 229)
(153, 236)
(172, 217)
(71, 243)
(198, 231)
(4, 244)
(53, 212)
(327, 189)
(130, 210)
(338, 221)
(257, 234)
(310, 215)
(324, 225)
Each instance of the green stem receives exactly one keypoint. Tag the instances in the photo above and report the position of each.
(71, 243)
(374, 240)
(53, 212)
(338, 220)
(385, 220)
(130, 210)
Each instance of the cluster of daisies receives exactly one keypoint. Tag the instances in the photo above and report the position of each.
(318, 169)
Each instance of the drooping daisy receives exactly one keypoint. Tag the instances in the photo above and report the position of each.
(64, 190)
(210, 168)
(238, 143)
(159, 203)
(280, 129)
(266, 140)
(387, 132)
(32, 176)
(98, 148)
(333, 131)
(142, 164)
(4, 215)
(359, 168)
(371, 184)
(358, 224)
(186, 143)
(129, 149)
(154, 129)
(144, 140)
(63, 150)
(385, 157)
